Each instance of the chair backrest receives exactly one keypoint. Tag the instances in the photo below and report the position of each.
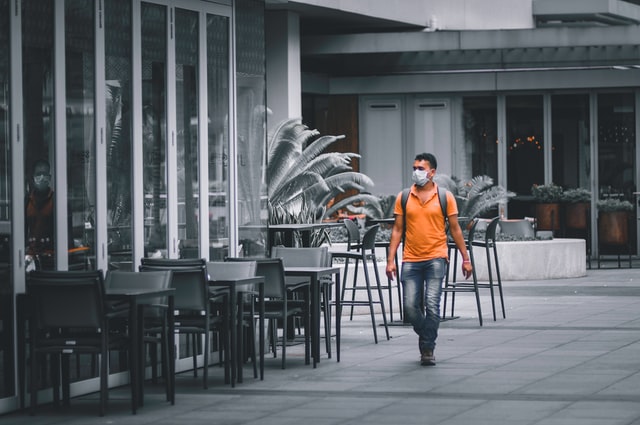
(120, 279)
(492, 228)
(189, 281)
(227, 270)
(474, 226)
(519, 228)
(369, 238)
(68, 299)
(122, 265)
(173, 262)
(301, 257)
(272, 269)
(353, 233)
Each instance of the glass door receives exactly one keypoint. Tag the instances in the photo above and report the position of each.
(6, 287)
(186, 130)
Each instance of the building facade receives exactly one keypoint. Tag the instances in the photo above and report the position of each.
(527, 91)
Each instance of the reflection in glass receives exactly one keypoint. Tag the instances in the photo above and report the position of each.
(218, 108)
(251, 116)
(118, 131)
(81, 158)
(525, 157)
(187, 134)
(570, 130)
(154, 116)
(480, 120)
(616, 162)
(38, 115)
(6, 288)
(616, 144)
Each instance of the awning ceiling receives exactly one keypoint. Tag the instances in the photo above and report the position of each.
(471, 51)
(570, 34)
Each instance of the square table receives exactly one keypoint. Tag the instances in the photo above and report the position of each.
(314, 274)
(236, 288)
(137, 298)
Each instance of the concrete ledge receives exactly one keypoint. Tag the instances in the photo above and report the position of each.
(522, 260)
(536, 260)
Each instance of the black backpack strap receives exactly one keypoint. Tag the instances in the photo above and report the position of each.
(442, 196)
(403, 200)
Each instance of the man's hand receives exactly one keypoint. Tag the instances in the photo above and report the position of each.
(391, 270)
(467, 269)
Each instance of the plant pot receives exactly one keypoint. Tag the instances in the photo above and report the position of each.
(548, 216)
(613, 227)
(576, 215)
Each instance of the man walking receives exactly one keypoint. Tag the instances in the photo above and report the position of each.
(425, 252)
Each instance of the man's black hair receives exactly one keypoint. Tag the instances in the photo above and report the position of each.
(427, 157)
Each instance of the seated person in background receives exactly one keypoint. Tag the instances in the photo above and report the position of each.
(39, 210)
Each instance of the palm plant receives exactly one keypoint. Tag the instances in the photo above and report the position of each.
(476, 196)
(302, 178)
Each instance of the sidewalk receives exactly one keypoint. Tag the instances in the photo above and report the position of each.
(567, 353)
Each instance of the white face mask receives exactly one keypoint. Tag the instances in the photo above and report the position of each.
(419, 177)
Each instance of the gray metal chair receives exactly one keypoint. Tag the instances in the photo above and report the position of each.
(193, 308)
(365, 255)
(452, 286)
(280, 304)
(227, 271)
(70, 316)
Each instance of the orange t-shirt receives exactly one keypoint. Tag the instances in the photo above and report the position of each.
(425, 237)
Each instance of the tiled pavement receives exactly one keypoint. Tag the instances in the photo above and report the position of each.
(567, 353)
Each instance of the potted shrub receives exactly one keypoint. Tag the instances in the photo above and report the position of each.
(576, 207)
(613, 221)
(547, 198)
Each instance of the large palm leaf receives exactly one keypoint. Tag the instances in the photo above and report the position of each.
(302, 177)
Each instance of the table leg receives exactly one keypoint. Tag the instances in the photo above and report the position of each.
(172, 351)
(315, 320)
(233, 348)
(134, 364)
(261, 331)
(338, 315)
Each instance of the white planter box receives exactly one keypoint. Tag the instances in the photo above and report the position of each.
(520, 260)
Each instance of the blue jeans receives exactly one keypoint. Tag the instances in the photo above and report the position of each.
(422, 284)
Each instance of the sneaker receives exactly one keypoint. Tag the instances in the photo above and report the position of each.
(427, 358)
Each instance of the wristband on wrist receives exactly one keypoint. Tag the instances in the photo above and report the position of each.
(466, 261)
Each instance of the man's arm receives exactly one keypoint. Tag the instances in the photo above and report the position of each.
(394, 242)
(456, 234)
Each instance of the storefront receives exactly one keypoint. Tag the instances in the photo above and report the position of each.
(128, 121)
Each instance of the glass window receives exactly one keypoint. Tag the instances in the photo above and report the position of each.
(480, 148)
(187, 134)
(525, 156)
(218, 109)
(251, 115)
(616, 144)
(154, 116)
(6, 288)
(616, 167)
(570, 133)
(38, 113)
(118, 132)
(81, 155)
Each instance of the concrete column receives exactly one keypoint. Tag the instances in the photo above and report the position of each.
(284, 88)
